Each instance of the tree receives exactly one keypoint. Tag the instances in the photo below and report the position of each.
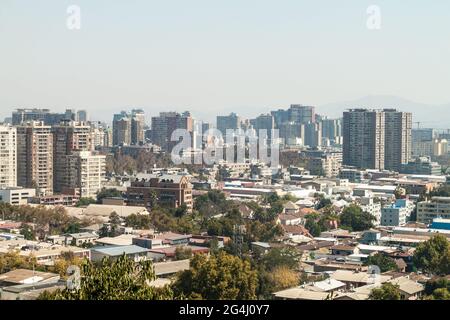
(120, 279)
(138, 221)
(108, 193)
(441, 294)
(399, 193)
(13, 260)
(437, 283)
(281, 257)
(312, 226)
(73, 228)
(384, 262)
(387, 291)
(67, 259)
(181, 210)
(217, 277)
(183, 253)
(282, 277)
(28, 232)
(433, 255)
(354, 219)
(84, 202)
(324, 202)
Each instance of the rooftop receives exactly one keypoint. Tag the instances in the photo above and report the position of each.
(25, 276)
(115, 251)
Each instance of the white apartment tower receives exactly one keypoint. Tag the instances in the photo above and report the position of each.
(86, 174)
(8, 156)
(35, 157)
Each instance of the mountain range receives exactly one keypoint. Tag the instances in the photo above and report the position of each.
(429, 116)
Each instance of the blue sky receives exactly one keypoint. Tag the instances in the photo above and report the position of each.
(216, 57)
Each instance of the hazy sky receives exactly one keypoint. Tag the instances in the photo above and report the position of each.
(214, 57)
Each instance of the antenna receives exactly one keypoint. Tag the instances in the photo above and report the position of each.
(238, 238)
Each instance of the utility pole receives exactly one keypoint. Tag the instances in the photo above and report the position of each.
(238, 238)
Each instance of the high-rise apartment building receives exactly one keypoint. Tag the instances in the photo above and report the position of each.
(377, 139)
(122, 129)
(363, 135)
(129, 128)
(69, 136)
(397, 138)
(86, 173)
(35, 157)
(8, 156)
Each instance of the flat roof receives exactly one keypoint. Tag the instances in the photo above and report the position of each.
(171, 267)
(299, 293)
(25, 276)
(119, 250)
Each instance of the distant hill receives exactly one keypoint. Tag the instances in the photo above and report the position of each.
(435, 116)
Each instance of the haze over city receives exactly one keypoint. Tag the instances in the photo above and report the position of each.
(213, 57)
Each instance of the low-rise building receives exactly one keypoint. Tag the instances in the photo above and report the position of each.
(16, 196)
(422, 165)
(437, 207)
(133, 252)
(397, 214)
(170, 190)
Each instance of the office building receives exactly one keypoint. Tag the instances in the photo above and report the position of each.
(265, 122)
(302, 114)
(8, 156)
(420, 135)
(313, 134)
(437, 207)
(137, 126)
(280, 117)
(22, 116)
(232, 121)
(82, 116)
(292, 134)
(122, 129)
(422, 166)
(332, 130)
(35, 157)
(166, 123)
(171, 191)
